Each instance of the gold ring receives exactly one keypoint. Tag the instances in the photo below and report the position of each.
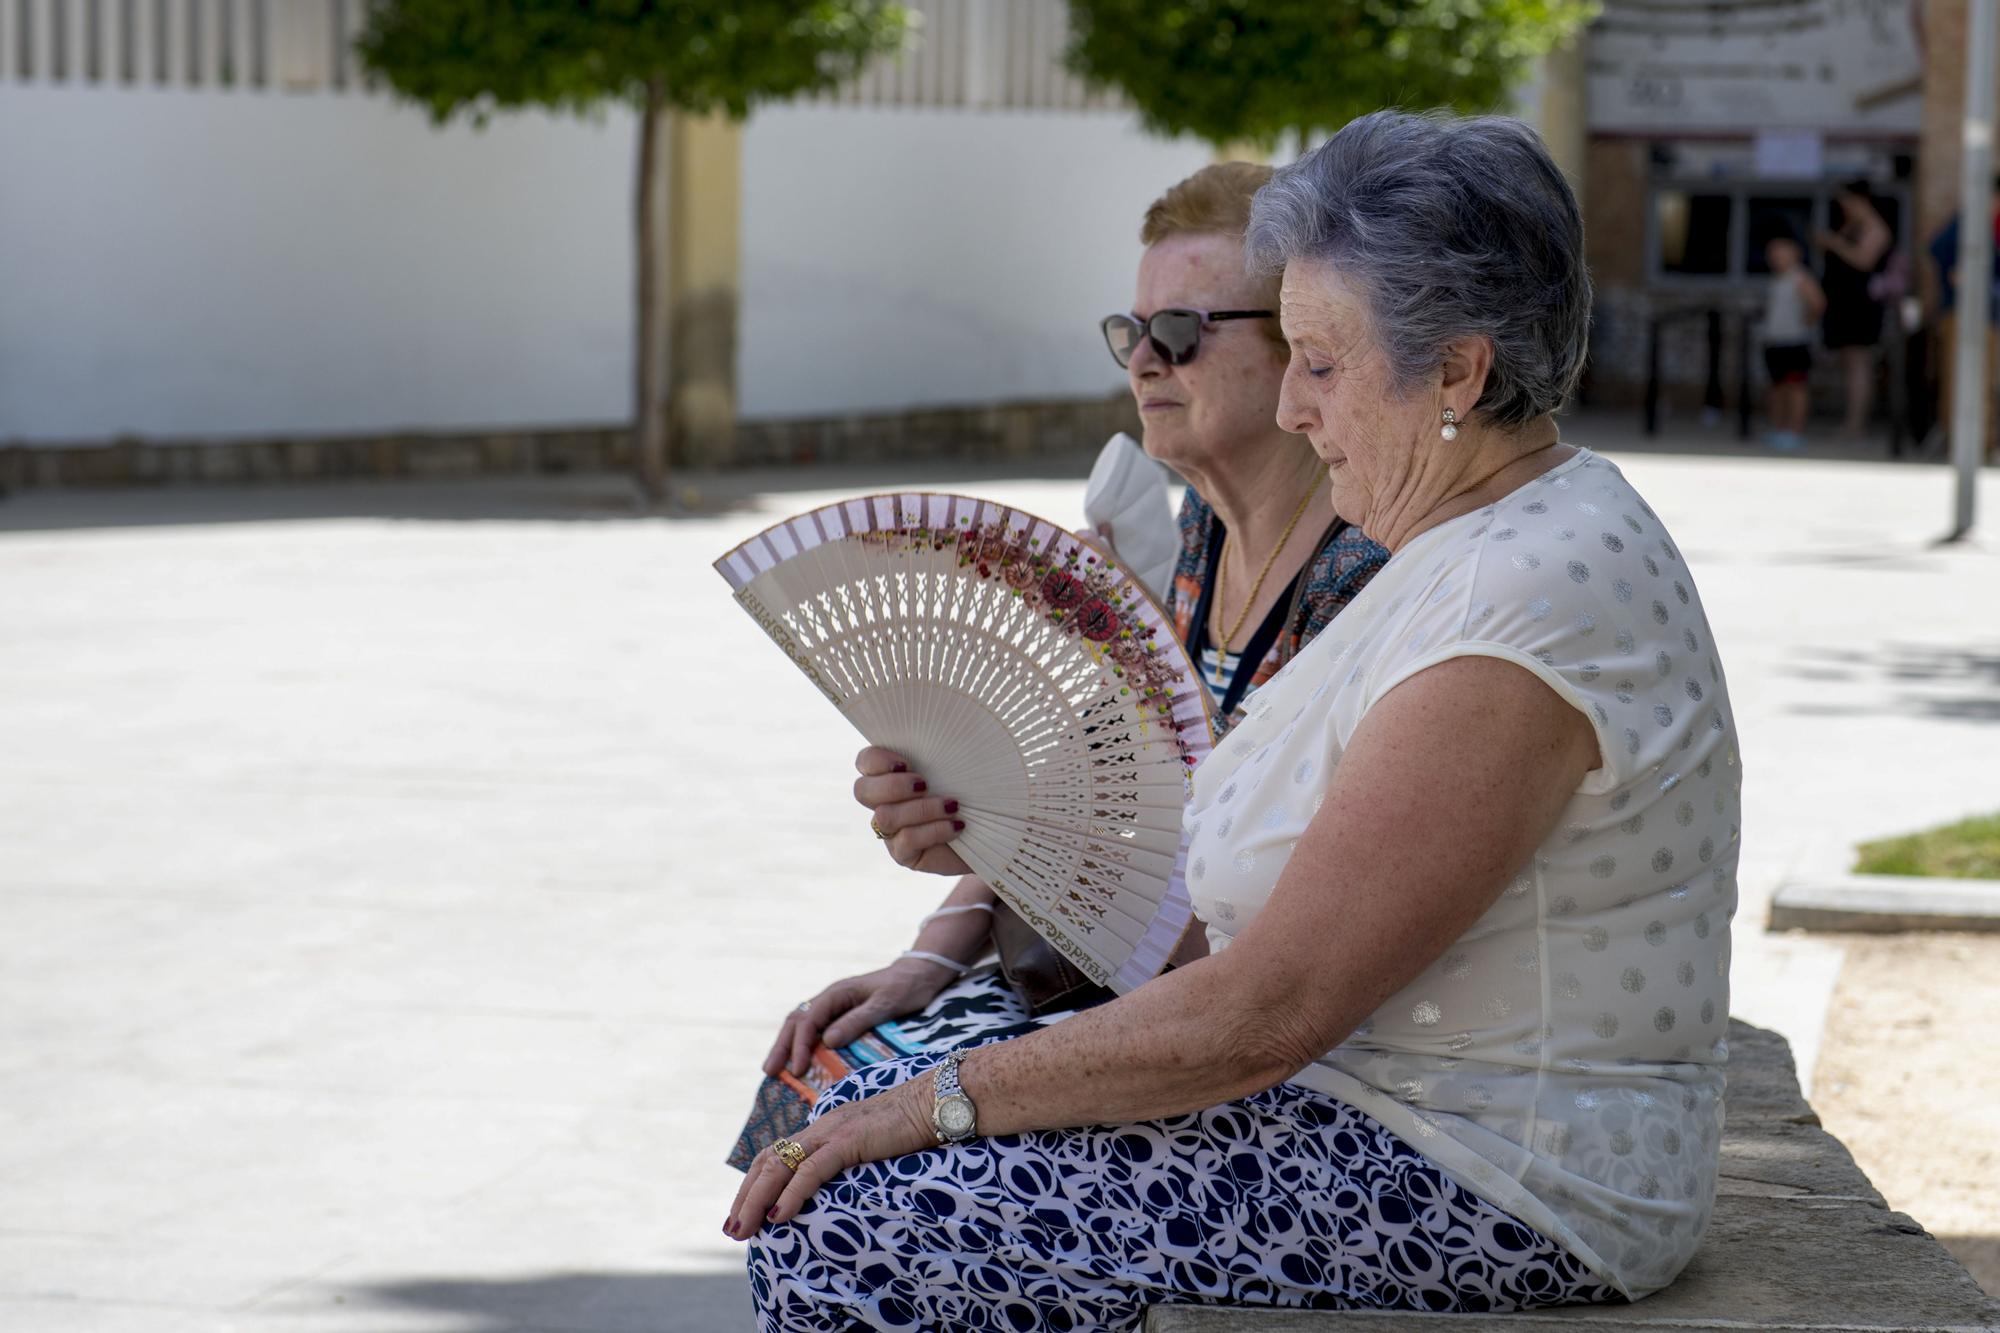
(876, 828)
(791, 1152)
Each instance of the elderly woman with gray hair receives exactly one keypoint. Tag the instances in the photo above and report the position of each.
(1467, 868)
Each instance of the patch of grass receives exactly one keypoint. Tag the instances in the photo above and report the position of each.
(1969, 849)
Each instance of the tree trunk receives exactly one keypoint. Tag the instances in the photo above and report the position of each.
(650, 418)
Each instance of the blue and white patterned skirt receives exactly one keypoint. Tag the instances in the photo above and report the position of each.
(1284, 1198)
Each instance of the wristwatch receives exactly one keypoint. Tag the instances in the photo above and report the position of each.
(953, 1116)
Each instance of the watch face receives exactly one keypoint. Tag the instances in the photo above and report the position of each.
(954, 1115)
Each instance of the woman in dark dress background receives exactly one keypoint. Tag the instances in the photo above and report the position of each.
(1855, 249)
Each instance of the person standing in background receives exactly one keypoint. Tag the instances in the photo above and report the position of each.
(1854, 250)
(1791, 303)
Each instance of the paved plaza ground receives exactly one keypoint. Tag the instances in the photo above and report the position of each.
(400, 881)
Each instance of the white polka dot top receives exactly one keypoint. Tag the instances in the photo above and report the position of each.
(1563, 1060)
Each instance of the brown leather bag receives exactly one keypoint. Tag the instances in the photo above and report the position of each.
(1045, 981)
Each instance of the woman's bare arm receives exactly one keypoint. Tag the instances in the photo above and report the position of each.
(1451, 782)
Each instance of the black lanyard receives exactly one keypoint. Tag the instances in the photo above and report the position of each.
(1259, 647)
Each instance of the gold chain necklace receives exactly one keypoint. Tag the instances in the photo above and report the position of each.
(1222, 571)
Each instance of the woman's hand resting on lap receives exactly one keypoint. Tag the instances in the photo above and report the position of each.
(916, 825)
(889, 1124)
(848, 1008)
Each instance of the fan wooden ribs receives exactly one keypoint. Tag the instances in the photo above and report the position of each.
(1022, 671)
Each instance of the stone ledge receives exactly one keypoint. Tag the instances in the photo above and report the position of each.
(1887, 904)
(974, 432)
(1800, 1241)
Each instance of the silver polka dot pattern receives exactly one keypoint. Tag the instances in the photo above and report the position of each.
(1592, 993)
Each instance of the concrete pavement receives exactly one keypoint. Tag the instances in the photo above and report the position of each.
(400, 880)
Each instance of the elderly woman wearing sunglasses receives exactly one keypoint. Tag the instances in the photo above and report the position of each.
(1266, 562)
(1265, 565)
(1467, 866)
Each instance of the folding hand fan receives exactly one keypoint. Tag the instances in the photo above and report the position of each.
(1024, 673)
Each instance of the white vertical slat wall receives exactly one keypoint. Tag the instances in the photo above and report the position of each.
(165, 43)
(244, 63)
(976, 54)
(40, 44)
(210, 54)
(107, 28)
(136, 64)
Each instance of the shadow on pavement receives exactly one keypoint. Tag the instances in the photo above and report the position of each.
(1903, 558)
(1622, 431)
(582, 1302)
(1951, 684)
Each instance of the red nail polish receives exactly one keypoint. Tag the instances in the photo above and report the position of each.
(771, 1216)
(920, 785)
(900, 768)
(958, 825)
(951, 807)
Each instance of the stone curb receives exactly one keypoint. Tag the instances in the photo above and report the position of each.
(1887, 904)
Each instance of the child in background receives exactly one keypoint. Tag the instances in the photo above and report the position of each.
(1792, 306)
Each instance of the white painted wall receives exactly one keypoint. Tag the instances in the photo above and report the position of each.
(189, 263)
(895, 257)
(185, 263)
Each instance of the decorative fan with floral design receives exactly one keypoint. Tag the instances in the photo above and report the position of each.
(1024, 672)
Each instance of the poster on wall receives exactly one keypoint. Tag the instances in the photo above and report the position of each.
(1666, 67)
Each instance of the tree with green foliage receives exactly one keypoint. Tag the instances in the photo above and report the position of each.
(1237, 71)
(697, 57)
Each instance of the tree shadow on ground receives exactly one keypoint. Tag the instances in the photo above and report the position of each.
(568, 497)
(580, 1302)
(1887, 558)
(1949, 683)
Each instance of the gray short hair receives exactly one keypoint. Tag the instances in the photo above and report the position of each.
(1448, 228)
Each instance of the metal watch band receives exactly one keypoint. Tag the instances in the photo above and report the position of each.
(947, 1076)
(946, 1088)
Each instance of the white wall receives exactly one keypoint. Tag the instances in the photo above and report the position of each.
(895, 257)
(179, 263)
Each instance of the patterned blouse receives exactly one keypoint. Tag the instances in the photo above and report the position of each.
(1345, 563)
(1563, 1059)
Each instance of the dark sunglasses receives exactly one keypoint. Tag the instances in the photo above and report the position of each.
(1174, 332)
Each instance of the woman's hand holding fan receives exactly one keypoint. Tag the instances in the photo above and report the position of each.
(917, 828)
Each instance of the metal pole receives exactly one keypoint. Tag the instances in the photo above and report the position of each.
(1972, 395)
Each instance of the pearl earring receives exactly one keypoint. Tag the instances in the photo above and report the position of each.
(1450, 431)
